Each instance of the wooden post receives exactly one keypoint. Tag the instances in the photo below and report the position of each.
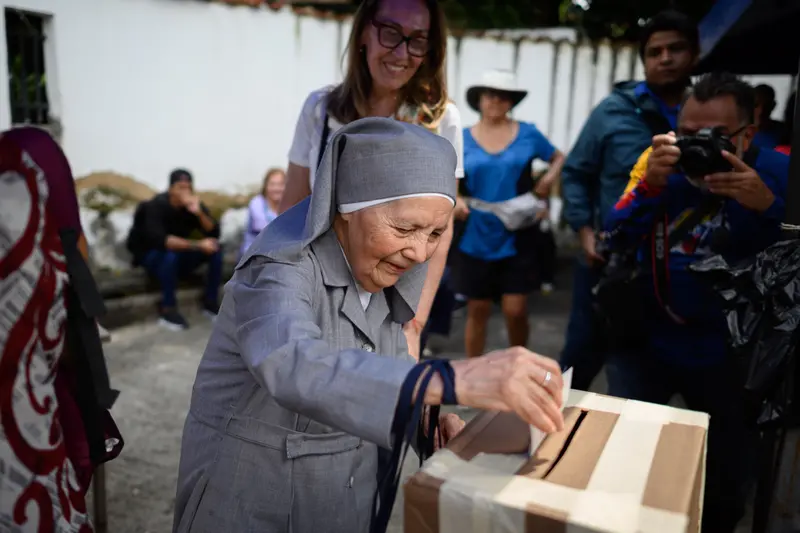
(99, 497)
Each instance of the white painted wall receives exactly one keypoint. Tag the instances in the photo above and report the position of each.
(143, 86)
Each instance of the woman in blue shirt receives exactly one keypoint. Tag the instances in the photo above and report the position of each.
(492, 262)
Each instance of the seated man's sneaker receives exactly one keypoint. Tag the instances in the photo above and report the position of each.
(172, 320)
(210, 309)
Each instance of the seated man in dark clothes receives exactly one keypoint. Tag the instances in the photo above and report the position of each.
(160, 241)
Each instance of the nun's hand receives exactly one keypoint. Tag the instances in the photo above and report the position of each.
(513, 380)
(450, 425)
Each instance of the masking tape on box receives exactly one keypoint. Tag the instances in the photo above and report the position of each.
(478, 500)
(484, 497)
(633, 409)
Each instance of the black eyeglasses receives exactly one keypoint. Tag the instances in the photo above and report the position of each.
(391, 37)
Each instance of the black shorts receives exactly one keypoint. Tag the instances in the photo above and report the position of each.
(489, 280)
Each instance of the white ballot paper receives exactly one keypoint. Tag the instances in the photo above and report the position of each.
(537, 435)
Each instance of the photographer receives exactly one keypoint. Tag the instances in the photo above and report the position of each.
(596, 170)
(705, 191)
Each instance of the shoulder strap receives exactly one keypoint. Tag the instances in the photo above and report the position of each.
(323, 141)
(656, 122)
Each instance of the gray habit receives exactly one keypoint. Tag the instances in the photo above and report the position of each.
(298, 385)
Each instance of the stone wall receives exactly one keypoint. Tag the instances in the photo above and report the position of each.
(107, 204)
(108, 201)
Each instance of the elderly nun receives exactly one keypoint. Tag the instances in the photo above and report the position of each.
(307, 375)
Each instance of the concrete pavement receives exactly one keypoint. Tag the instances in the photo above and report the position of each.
(154, 369)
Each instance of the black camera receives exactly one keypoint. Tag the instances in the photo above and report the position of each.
(701, 153)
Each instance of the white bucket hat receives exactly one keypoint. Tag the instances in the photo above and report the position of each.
(501, 81)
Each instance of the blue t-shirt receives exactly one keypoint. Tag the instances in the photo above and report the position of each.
(496, 178)
(765, 140)
(670, 112)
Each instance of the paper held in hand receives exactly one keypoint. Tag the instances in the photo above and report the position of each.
(537, 435)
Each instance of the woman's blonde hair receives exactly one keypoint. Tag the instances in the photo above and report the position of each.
(425, 91)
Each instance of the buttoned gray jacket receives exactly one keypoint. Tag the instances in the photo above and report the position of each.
(295, 392)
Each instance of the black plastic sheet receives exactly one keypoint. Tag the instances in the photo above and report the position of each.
(761, 300)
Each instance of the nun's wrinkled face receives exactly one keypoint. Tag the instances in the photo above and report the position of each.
(381, 243)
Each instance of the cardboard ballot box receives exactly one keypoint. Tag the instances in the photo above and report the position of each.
(618, 466)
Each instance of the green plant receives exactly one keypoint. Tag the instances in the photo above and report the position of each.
(25, 88)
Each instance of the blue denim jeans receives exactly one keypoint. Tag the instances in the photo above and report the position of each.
(732, 455)
(168, 266)
(584, 346)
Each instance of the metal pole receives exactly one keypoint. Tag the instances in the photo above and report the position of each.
(793, 187)
(793, 217)
(773, 437)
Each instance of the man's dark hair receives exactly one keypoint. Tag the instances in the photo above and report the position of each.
(766, 92)
(179, 174)
(670, 20)
(716, 84)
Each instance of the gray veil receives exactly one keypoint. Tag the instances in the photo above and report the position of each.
(368, 159)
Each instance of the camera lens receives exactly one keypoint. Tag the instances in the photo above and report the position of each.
(696, 153)
(694, 161)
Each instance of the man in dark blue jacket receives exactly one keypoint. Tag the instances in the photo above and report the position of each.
(686, 348)
(619, 129)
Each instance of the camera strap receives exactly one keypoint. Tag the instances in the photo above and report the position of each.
(663, 241)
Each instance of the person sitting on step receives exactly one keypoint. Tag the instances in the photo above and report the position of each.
(161, 241)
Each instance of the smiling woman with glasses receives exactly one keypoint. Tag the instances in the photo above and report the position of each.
(395, 68)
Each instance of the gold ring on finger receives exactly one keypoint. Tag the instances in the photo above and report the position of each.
(547, 377)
